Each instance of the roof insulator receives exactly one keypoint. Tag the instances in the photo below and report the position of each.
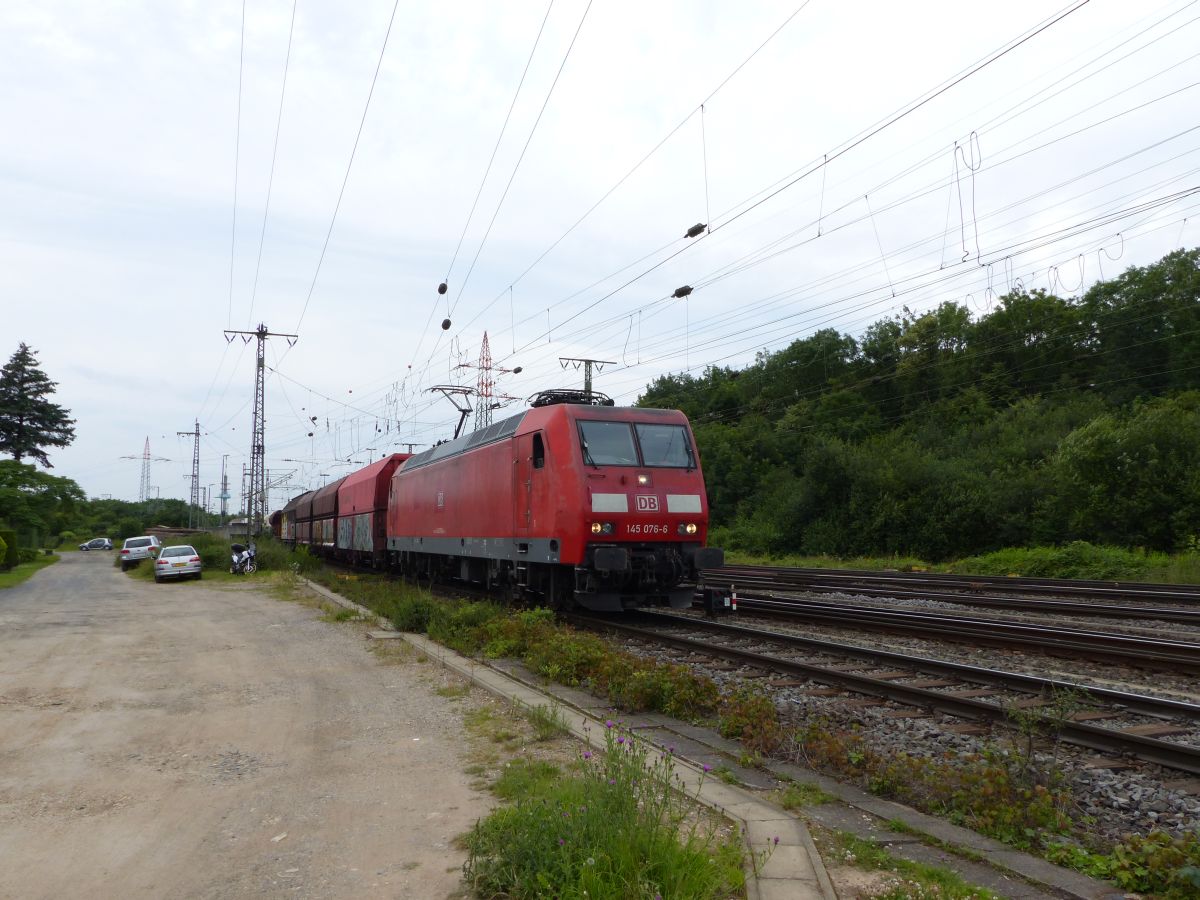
(445, 324)
(682, 291)
(696, 229)
(442, 288)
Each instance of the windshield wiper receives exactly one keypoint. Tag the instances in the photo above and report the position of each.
(587, 455)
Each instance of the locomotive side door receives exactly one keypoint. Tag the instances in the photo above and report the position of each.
(529, 487)
(522, 485)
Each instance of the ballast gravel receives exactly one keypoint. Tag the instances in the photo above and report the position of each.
(1114, 802)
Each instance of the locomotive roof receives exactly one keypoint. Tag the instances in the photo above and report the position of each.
(506, 428)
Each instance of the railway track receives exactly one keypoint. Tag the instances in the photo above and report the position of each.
(1138, 650)
(954, 689)
(1102, 598)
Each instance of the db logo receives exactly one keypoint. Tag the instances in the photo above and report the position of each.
(647, 503)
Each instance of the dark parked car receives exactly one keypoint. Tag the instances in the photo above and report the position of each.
(97, 544)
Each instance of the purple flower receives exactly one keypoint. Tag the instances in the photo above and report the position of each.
(561, 842)
(776, 840)
(707, 767)
(587, 754)
(612, 781)
(620, 740)
(671, 749)
(608, 723)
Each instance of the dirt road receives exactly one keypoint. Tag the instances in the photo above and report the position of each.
(196, 740)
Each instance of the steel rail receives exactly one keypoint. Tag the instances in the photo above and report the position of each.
(1033, 684)
(1023, 604)
(1177, 655)
(1164, 753)
(1181, 593)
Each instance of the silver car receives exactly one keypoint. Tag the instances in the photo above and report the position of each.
(178, 561)
(97, 544)
(138, 548)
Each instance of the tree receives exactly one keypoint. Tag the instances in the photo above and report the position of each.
(36, 501)
(28, 421)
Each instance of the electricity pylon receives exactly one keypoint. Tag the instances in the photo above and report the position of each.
(256, 498)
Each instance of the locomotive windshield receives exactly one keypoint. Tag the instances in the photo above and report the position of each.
(607, 444)
(612, 444)
(664, 445)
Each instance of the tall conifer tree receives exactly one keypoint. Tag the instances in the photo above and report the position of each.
(28, 421)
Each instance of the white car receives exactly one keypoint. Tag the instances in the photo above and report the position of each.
(178, 561)
(138, 548)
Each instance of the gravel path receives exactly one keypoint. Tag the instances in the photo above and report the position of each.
(205, 740)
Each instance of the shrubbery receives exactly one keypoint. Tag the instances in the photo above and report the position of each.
(11, 555)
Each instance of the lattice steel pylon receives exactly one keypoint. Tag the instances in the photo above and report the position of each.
(194, 502)
(256, 496)
(144, 487)
(485, 385)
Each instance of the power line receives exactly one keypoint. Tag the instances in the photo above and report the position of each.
(274, 152)
(520, 158)
(237, 154)
(349, 165)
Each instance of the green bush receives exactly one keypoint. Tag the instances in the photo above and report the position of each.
(1166, 866)
(26, 554)
(65, 537)
(8, 538)
(1078, 559)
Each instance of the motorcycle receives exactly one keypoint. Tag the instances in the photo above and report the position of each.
(243, 561)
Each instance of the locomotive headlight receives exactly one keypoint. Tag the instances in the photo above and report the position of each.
(643, 480)
(597, 528)
(602, 528)
(689, 528)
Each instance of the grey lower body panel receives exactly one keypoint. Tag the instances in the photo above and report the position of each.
(539, 550)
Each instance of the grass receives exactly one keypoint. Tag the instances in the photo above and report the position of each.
(909, 881)
(800, 794)
(547, 721)
(24, 571)
(615, 825)
(1077, 559)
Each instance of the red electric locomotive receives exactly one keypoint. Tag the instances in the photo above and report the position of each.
(575, 502)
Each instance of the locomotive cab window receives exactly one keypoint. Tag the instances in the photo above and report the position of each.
(607, 444)
(665, 446)
(539, 452)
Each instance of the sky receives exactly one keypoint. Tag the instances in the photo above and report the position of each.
(173, 171)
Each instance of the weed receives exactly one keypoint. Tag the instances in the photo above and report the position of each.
(524, 777)
(548, 722)
(800, 794)
(725, 774)
(454, 691)
(619, 827)
(1158, 864)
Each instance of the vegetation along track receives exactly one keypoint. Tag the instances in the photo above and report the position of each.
(955, 689)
